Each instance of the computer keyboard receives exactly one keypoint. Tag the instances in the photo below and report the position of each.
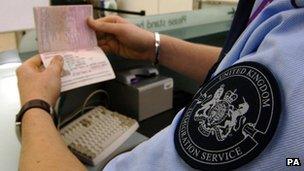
(98, 133)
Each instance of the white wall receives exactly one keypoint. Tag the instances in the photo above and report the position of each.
(18, 14)
(153, 7)
(150, 6)
(170, 6)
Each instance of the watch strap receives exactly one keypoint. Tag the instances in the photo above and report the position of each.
(36, 103)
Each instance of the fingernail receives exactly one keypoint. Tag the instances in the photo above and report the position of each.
(59, 58)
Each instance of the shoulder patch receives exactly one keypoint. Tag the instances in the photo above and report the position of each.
(231, 119)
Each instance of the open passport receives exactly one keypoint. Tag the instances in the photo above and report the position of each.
(63, 30)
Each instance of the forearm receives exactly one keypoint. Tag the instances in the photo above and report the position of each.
(42, 146)
(192, 60)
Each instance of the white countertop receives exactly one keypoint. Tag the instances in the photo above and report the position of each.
(9, 106)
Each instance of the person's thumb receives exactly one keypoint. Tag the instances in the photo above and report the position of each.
(55, 66)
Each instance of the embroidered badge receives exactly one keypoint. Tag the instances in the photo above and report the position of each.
(231, 119)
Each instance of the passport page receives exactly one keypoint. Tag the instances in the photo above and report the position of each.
(63, 30)
(82, 67)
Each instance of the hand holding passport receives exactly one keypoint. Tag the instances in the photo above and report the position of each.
(62, 30)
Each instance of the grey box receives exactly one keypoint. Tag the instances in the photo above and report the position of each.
(149, 96)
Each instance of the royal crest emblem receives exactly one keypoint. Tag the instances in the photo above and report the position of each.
(231, 118)
(218, 116)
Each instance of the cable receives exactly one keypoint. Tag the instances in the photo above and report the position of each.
(91, 95)
(59, 106)
(81, 2)
(141, 13)
(72, 116)
(83, 107)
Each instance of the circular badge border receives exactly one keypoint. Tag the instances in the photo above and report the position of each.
(276, 110)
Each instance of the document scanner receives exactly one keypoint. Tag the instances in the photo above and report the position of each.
(141, 92)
